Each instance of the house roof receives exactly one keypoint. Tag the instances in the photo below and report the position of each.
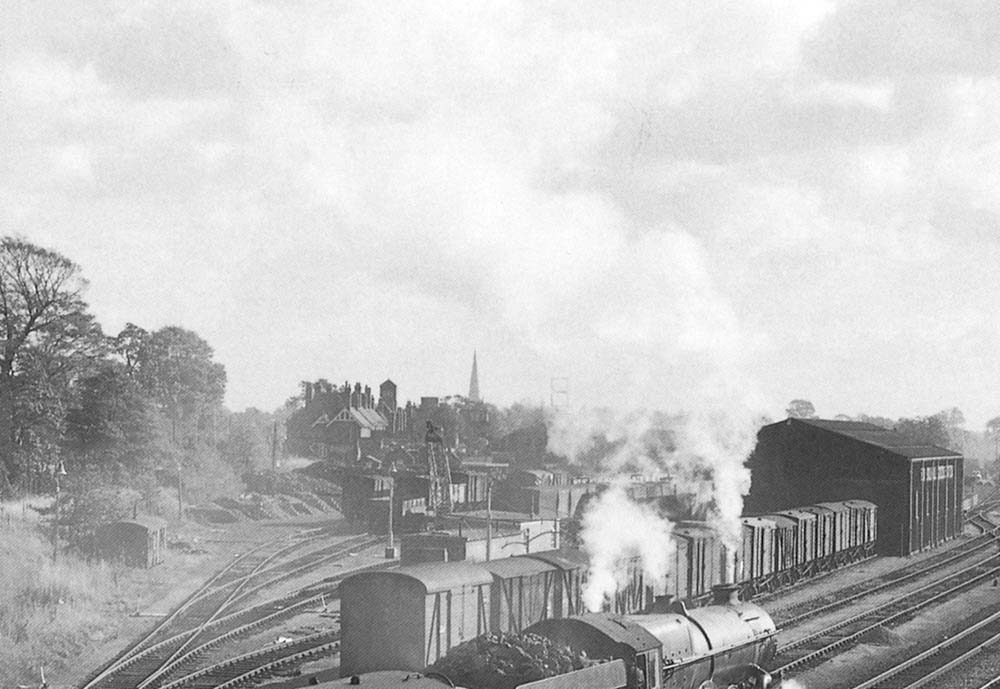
(870, 434)
(369, 418)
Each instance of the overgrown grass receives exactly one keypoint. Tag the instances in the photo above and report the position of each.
(49, 611)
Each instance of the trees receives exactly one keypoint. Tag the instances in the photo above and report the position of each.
(46, 334)
(801, 409)
(174, 367)
(930, 430)
(113, 421)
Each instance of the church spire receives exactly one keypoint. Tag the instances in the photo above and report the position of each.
(474, 381)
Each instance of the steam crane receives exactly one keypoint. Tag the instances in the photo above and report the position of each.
(439, 470)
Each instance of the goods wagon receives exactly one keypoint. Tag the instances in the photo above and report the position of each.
(699, 561)
(426, 609)
(411, 615)
(812, 539)
(421, 611)
(571, 575)
(756, 557)
(522, 593)
(137, 543)
(804, 534)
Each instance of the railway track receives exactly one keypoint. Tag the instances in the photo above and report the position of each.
(258, 664)
(843, 597)
(940, 660)
(812, 649)
(255, 665)
(202, 622)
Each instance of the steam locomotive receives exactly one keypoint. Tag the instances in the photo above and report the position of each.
(724, 644)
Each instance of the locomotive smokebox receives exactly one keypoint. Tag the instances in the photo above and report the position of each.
(726, 594)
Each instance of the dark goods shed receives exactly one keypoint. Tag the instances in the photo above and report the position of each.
(917, 487)
(138, 542)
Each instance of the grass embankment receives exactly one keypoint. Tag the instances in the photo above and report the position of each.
(49, 611)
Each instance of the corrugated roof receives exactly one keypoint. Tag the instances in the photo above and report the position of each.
(891, 441)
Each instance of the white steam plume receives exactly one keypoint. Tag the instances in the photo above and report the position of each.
(615, 528)
(702, 453)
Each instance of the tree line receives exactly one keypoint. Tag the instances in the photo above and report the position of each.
(133, 409)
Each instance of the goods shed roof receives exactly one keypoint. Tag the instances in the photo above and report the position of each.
(893, 442)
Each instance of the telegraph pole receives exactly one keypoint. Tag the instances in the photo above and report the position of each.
(489, 518)
(180, 493)
(390, 549)
(57, 474)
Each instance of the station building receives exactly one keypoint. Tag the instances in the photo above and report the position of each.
(917, 487)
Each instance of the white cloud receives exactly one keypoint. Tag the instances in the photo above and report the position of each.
(642, 192)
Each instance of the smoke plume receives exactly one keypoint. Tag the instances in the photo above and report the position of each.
(615, 528)
(701, 453)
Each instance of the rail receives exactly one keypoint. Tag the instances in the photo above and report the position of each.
(958, 649)
(844, 598)
(890, 606)
(144, 664)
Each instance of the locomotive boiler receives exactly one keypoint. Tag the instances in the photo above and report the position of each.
(723, 644)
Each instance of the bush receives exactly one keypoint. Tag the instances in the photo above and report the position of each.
(48, 611)
(86, 506)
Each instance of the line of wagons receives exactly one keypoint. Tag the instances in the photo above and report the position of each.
(409, 617)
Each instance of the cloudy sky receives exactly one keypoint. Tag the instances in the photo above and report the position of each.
(792, 198)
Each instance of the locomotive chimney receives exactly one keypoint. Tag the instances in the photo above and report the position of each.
(662, 604)
(726, 594)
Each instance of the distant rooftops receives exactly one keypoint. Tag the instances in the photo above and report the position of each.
(889, 440)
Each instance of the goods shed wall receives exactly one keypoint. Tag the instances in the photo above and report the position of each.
(798, 465)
